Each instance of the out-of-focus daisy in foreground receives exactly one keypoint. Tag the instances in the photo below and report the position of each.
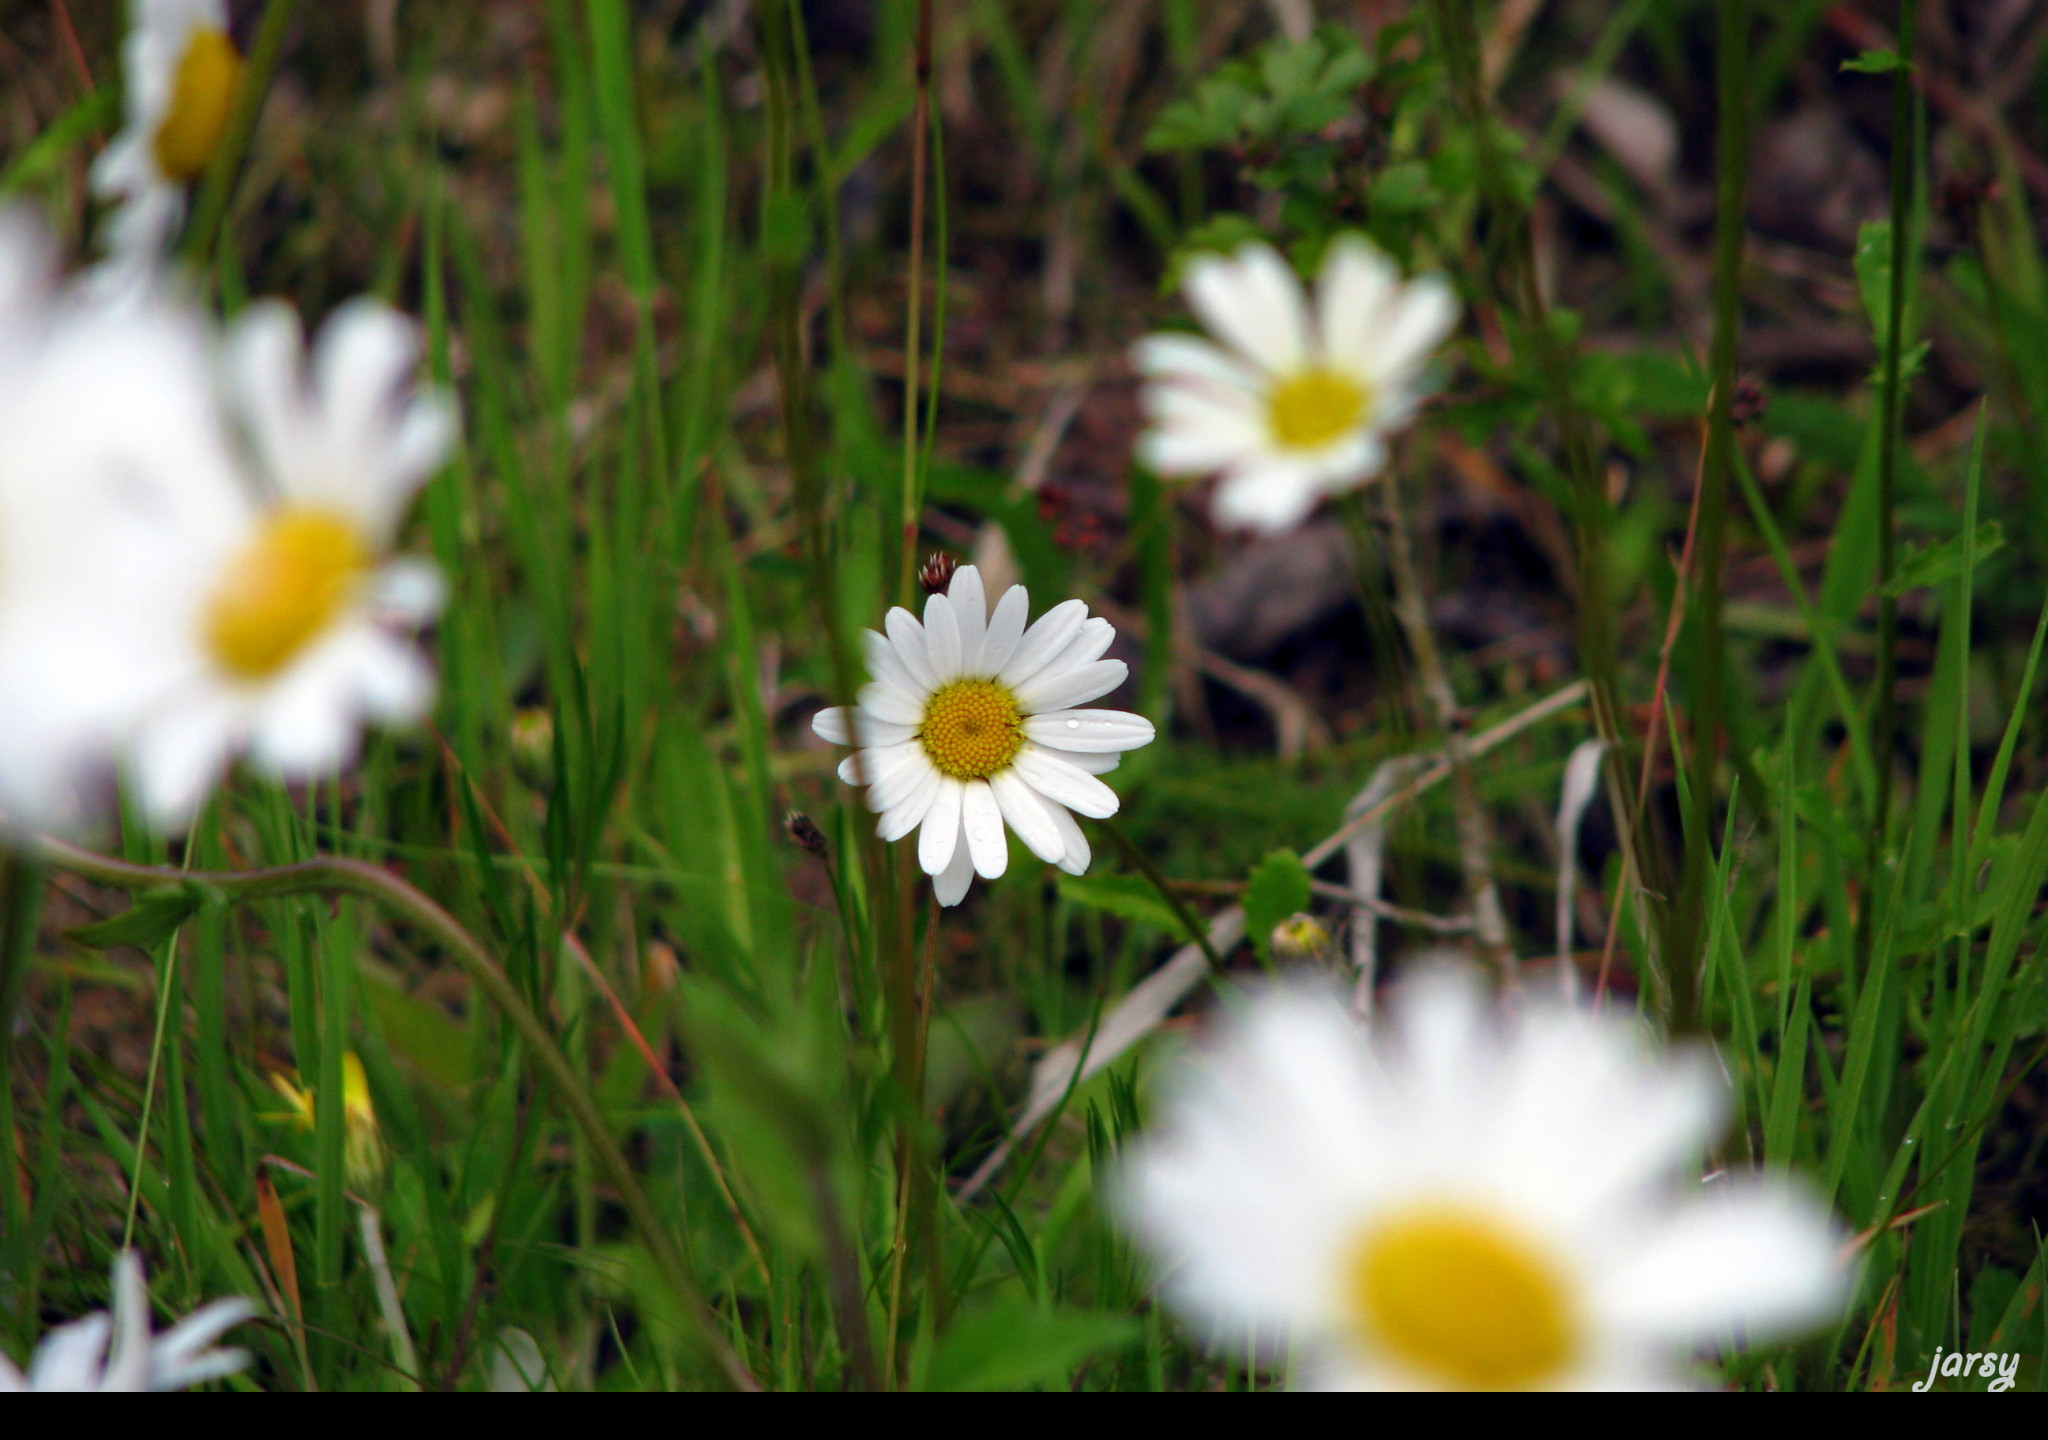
(968, 722)
(179, 71)
(1297, 400)
(1465, 1202)
(109, 416)
(281, 630)
(77, 1356)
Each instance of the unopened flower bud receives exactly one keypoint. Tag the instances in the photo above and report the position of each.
(805, 832)
(936, 574)
(1300, 937)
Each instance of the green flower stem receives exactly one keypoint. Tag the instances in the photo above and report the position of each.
(221, 173)
(1454, 27)
(1196, 931)
(1892, 405)
(333, 875)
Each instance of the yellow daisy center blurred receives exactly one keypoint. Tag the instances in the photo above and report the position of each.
(1465, 1299)
(202, 94)
(972, 729)
(285, 587)
(1315, 407)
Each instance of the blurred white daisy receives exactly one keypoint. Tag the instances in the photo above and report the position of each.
(968, 723)
(283, 630)
(1296, 402)
(77, 1356)
(179, 71)
(1465, 1202)
(106, 412)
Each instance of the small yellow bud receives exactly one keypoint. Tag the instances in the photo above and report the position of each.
(1300, 937)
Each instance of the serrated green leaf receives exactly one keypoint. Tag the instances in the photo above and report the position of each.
(1279, 888)
(1935, 564)
(150, 919)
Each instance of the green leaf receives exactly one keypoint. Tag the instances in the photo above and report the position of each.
(1011, 1344)
(1935, 564)
(1875, 62)
(153, 916)
(1127, 896)
(1279, 888)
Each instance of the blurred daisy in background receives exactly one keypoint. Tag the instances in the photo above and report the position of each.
(1465, 1202)
(282, 632)
(179, 72)
(968, 723)
(1296, 401)
(77, 1356)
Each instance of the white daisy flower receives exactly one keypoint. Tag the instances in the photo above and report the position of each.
(1295, 403)
(279, 632)
(1463, 1202)
(968, 723)
(179, 70)
(102, 408)
(76, 1356)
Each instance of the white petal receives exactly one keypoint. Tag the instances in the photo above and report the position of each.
(885, 702)
(1056, 690)
(1755, 1257)
(1027, 815)
(941, 832)
(1057, 780)
(895, 784)
(1189, 357)
(178, 756)
(70, 1356)
(1073, 841)
(1198, 449)
(1005, 629)
(874, 766)
(1351, 296)
(885, 664)
(942, 637)
(128, 1357)
(1253, 302)
(1269, 496)
(408, 590)
(264, 363)
(970, 613)
(1045, 639)
(1094, 638)
(830, 725)
(911, 648)
(183, 1356)
(1097, 731)
(981, 822)
(1090, 764)
(1416, 324)
(950, 886)
(910, 812)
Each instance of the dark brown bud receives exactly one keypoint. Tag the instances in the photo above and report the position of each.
(804, 830)
(936, 574)
(1750, 400)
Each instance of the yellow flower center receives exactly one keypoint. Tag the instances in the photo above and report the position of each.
(202, 94)
(285, 587)
(1464, 1299)
(972, 729)
(1311, 409)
